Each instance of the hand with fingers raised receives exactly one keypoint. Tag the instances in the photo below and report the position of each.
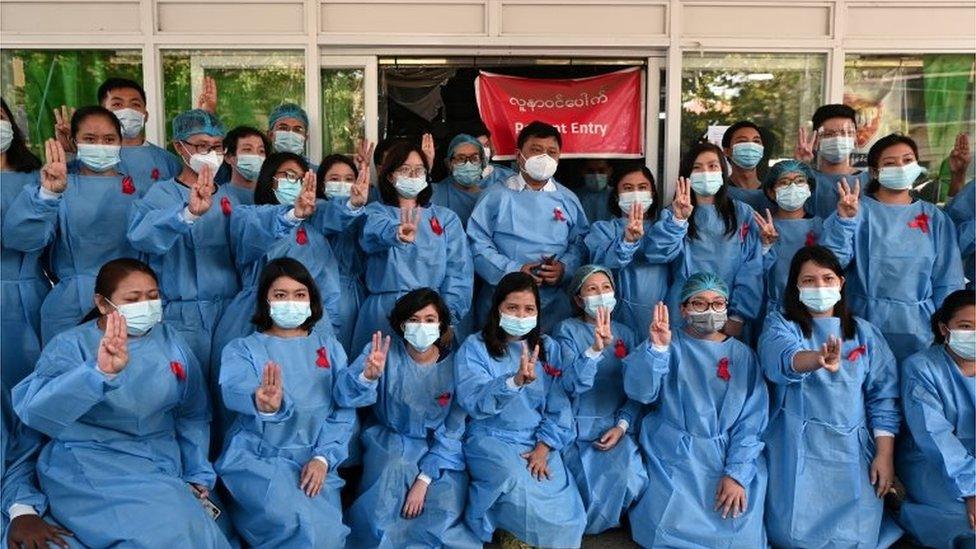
(767, 230)
(634, 231)
(602, 332)
(681, 206)
(409, 219)
(270, 393)
(54, 174)
(660, 330)
(201, 193)
(526, 371)
(62, 128)
(960, 157)
(849, 200)
(804, 145)
(830, 355)
(305, 201)
(359, 193)
(364, 153)
(113, 350)
(207, 100)
(376, 360)
(427, 146)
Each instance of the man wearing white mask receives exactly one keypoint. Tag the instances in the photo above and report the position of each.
(834, 130)
(531, 224)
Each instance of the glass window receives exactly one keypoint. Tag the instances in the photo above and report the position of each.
(928, 97)
(343, 110)
(35, 82)
(778, 92)
(249, 83)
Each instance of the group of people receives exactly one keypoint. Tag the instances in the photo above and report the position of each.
(202, 349)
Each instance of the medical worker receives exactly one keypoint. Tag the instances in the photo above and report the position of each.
(410, 244)
(288, 130)
(79, 218)
(245, 149)
(23, 283)
(604, 459)
(702, 439)
(722, 238)
(831, 437)
(414, 484)
(828, 150)
(905, 254)
(124, 402)
(638, 245)
(279, 463)
(593, 194)
(936, 459)
(520, 419)
(181, 226)
(962, 210)
(743, 145)
(467, 163)
(531, 224)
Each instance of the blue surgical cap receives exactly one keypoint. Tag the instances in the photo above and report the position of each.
(287, 110)
(703, 282)
(584, 272)
(463, 138)
(784, 167)
(194, 122)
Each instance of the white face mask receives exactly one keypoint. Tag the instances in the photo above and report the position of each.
(6, 135)
(132, 122)
(212, 159)
(625, 200)
(338, 189)
(540, 167)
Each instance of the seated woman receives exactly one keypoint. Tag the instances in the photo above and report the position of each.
(702, 440)
(520, 419)
(935, 460)
(416, 440)
(289, 436)
(830, 440)
(125, 404)
(604, 459)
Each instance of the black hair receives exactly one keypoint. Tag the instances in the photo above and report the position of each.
(879, 147)
(264, 187)
(539, 130)
(619, 173)
(19, 157)
(240, 132)
(111, 274)
(413, 301)
(84, 113)
(730, 132)
(295, 270)
(796, 311)
(950, 306)
(495, 337)
(833, 110)
(379, 152)
(117, 84)
(395, 158)
(326, 165)
(723, 203)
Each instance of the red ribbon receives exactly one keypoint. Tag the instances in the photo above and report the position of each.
(557, 214)
(155, 174)
(301, 236)
(921, 223)
(856, 353)
(744, 232)
(620, 349)
(225, 205)
(178, 370)
(723, 370)
(551, 370)
(127, 186)
(811, 239)
(435, 226)
(444, 399)
(323, 359)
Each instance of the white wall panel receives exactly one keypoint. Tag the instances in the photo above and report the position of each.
(403, 18)
(591, 20)
(241, 18)
(904, 23)
(56, 17)
(757, 22)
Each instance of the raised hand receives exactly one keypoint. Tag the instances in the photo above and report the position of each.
(634, 230)
(54, 174)
(602, 333)
(376, 360)
(364, 153)
(526, 371)
(207, 100)
(767, 230)
(270, 393)
(681, 205)
(414, 504)
(113, 350)
(62, 127)
(660, 330)
(960, 158)
(730, 498)
(804, 146)
(313, 477)
(427, 145)
(830, 355)
(359, 193)
(409, 219)
(305, 201)
(848, 201)
(201, 193)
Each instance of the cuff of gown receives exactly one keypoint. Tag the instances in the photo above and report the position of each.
(45, 194)
(424, 478)
(510, 383)
(20, 509)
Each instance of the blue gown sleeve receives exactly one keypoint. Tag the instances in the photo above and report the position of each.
(447, 451)
(881, 383)
(745, 437)
(350, 390)
(631, 410)
(239, 379)
(19, 482)
(778, 345)
(193, 426)
(155, 225)
(254, 229)
(839, 235)
(490, 264)
(30, 223)
(334, 216)
(665, 240)
(747, 289)
(479, 393)
(578, 370)
(556, 428)
(933, 433)
(947, 275)
(457, 288)
(607, 247)
(575, 254)
(332, 442)
(645, 370)
(380, 231)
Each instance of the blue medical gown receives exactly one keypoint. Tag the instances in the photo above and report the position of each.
(596, 205)
(461, 202)
(82, 229)
(438, 261)
(122, 450)
(264, 453)
(192, 260)
(701, 429)
(640, 269)
(905, 262)
(23, 286)
(755, 198)
(506, 423)
(820, 439)
(419, 428)
(609, 481)
(352, 267)
(962, 211)
(825, 197)
(935, 461)
(144, 161)
(510, 228)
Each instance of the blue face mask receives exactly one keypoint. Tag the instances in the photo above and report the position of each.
(747, 155)
(290, 314)
(706, 183)
(899, 178)
(421, 335)
(963, 343)
(285, 141)
(410, 187)
(467, 174)
(517, 326)
(626, 200)
(792, 197)
(99, 158)
(249, 165)
(287, 190)
(338, 189)
(141, 316)
(836, 150)
(592, 302)
(820, 300)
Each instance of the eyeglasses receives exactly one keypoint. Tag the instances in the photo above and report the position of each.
(846, 132)
(289, 174)
(798, 180)
(701, 305)
(461, 158)
(411, 171)
(204, 148)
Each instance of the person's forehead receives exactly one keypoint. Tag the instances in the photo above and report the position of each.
(544, 142)
(127, 94)
(465, 148)
(837, 123)
(289, 121)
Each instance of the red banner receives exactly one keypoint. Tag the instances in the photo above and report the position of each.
(598, 117)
